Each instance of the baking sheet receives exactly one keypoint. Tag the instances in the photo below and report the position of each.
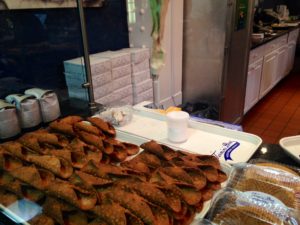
(228, 145)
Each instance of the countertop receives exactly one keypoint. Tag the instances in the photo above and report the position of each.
(274, 152)
(267, 39)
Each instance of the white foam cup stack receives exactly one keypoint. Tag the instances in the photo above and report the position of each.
(177, 123)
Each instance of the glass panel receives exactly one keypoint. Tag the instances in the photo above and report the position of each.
(42, 48)
(34, 43)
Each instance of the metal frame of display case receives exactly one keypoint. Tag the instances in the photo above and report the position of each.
(89, 84)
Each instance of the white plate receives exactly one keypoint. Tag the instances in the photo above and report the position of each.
(291, 145)
(122, 136)
(229, 146)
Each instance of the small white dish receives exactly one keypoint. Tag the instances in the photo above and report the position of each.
(291, 146)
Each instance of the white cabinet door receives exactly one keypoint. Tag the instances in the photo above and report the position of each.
(253, 85)
(291, 56)
(268, 73)
(282, 64)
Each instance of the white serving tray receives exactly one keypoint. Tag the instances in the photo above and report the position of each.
(291, 145)
(228, 145)
(123, 136)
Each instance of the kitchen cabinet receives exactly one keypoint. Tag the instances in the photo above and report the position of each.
(269, 72)
(292, 43)
(291, 57)
(268, 64)
(253, 84)
(282, 65)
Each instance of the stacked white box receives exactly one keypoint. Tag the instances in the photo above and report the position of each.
(141, 76)
(121, 85)
(118, 76)
(138, 54)
(76, 76)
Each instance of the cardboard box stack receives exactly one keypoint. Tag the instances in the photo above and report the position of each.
(141, 76)
(120, 86)
(75, 77)
(118, 76)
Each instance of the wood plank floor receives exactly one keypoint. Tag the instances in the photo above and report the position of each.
(277, 115)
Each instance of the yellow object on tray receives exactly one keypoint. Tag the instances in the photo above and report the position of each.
(170, 109)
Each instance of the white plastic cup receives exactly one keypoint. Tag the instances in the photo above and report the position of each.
(177, 123)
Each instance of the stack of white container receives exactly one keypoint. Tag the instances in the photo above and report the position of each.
(141, 76)
(120, 86)
(75, 77)
(118, 76)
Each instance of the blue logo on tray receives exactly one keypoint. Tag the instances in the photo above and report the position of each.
(227, 149)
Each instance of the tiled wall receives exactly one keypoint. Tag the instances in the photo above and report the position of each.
(34, 43)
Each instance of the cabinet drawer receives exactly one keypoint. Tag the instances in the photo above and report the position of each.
(256, 54)
(281, 41)
(293, 35)
(271, 46)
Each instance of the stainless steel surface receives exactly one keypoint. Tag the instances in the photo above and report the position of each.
(203, 49)
(234, 84)
(215, 56)
(92, 104)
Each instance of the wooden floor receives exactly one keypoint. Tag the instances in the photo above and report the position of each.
(277, 115)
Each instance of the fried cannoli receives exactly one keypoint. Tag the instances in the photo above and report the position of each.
(178, 174)
(221, 176)
(7, 198)
(77, 158)
(131, 201)
(105, 171)
(38, 178)
(154, 148)
(161, 216)
(119, 154)
(198, 177)
(93, 181)
(131, 148)
(63, 128)
(59, 166)
(174, 196)
(64, 213)
(18, 150)
(19, 188)
(207, 193)
(111, 212)
(204, 160)
(84, 126)
(106, 127)
(211, 173)
(191, 196)
(41, 219)
(46, 138)
(146, 190)
(91, 139)
(30, 141)
(108, 147)
(151, 160)
(75, 195)
(78, 145)
(70, 119)
(137, 165)
(8, 161)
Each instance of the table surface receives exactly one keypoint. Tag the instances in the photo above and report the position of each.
(274, 152)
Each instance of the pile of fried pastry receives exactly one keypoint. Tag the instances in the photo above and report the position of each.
(81, 175)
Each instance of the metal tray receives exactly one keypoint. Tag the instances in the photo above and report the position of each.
(229, 146)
